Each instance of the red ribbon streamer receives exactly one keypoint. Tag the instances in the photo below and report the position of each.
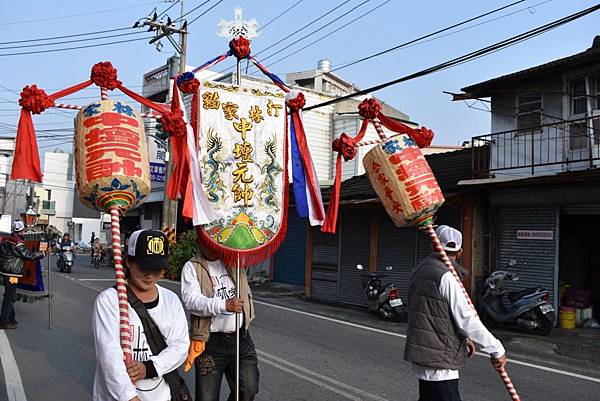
(332, 211)
(26, 160)
(422, 136)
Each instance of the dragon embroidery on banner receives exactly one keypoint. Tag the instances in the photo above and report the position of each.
(215, 188)
(270, 168)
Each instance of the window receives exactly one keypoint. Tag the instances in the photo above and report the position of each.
(529, 116)
(578, 97)
(578, 136)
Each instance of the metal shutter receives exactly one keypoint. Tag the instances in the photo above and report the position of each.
(589, 209)
(536, 259)
(396, 247)
(356, 243)
(291, 256)
(325, 260)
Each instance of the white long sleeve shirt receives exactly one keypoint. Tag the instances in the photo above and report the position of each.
(111, 382)
(203, 306)
(469, 325)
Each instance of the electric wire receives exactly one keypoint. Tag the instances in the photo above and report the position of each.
(168, 8)
(71, 41)
(281, 14)
(76, 47)
(191, 11)
(205, 12)
(467, 57)
(66, 36)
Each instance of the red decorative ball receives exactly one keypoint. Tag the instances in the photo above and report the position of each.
(369, 108)
(34, 99)
(173, 123)
(422, 137)
(344, 145)
(189, 86)
(105, 75)
(240, 47)
(297, 103)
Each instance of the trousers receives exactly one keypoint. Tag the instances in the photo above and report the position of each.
(218, 359)
(446, 390)
(7, 315)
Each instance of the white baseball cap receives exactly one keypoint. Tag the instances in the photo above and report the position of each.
(18, 226)
(450, 238)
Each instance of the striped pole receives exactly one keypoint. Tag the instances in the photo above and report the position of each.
(442, 253)
(103, 93)
(379, 130)
(77, 107)
(366, 143)
(125, 334)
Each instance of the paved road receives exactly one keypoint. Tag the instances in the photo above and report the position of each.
(302, 357)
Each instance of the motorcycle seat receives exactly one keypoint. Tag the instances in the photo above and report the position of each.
(514, 295)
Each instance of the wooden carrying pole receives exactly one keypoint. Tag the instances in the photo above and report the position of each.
(440, 250)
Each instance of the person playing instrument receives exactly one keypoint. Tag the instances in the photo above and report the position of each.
(442, 326)
(208, 292)
(149, 370)
(13, 254)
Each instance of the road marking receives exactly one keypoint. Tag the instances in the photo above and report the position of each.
(96, 279)
(12, 377)
(297, 368)
(389, 333)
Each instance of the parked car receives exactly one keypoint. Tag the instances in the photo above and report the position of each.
(82, 247)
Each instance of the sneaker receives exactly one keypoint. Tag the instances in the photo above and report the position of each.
(7, 326)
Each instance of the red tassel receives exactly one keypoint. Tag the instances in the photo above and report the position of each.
(342, 146)
(422, 136)
(26, 161)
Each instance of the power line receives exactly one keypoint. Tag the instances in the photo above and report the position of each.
(191, 11)
(281, 14)
(77, 15)
(66, 36)
(328, 34)
(316, 30)
(76, 47)
(205, 12)
(168, 8)
(467, 57)
(71, 41)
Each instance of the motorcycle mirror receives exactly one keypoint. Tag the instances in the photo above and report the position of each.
(512, 262)
(389, 268)
(359, 267)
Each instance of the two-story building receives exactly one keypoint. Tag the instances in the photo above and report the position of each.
(538, 169)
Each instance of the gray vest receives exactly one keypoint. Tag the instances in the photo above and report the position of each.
(432, 338)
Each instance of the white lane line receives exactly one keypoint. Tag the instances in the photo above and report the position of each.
(12, 377)
(96, 279)
(515, 361)
(320, 379)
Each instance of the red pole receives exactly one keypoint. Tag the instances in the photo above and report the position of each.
(440, 250)
(121, 285)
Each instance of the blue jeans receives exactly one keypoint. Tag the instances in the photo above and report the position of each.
(217, 359)
(7, 315)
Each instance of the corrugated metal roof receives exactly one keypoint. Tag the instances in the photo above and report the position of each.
(590, 56)
(449, 168)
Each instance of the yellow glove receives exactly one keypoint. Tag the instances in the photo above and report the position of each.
(196, 348)
(13, 280)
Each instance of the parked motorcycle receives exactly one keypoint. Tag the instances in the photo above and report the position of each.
(384, 301)
(528, 309)
(65, 259)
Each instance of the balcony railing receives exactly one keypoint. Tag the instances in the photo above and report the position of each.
(48, 208)
(551, 148)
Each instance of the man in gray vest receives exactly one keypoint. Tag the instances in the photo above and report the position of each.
(208, 292)
(442, 326)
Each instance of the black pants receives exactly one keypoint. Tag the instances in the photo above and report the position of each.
(446, 390)
(217, 359)
(8, 309)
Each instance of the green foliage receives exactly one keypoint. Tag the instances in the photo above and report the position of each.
(52, 233)
(185, 248)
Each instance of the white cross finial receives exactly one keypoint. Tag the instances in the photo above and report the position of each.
(238, 27)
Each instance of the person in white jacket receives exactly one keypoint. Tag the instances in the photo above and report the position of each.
(146, 261)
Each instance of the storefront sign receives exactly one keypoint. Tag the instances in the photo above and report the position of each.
(544, 235)
(157, 172)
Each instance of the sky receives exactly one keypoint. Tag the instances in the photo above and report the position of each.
(390, 24)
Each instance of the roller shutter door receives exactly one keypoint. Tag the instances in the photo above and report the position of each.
(356, 242)
(325, 260)
(289, 263)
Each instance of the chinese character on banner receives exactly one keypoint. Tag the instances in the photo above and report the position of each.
(211, 101)
(230, 111)
(256, 114)
(273, 109)
(242, 151)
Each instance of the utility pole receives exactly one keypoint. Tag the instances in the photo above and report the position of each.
(167, 30)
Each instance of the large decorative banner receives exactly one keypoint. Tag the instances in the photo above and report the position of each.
(243, 159)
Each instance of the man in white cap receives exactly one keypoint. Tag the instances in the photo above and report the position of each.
(442, 326)
(13, 254)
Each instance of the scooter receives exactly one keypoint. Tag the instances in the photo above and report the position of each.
(65, 259)
(529, 310)
(384, 301)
